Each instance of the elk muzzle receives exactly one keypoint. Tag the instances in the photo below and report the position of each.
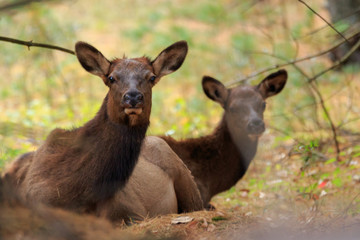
(133, 102)
(255, 128)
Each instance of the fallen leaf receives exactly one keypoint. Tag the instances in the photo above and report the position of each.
(261, 195)
(356, 178)
(181, 220)
(248, 214)
(220, 214)
(205, 223)
(323, 193)
(323, 183)
(211, 227)
(192, 224)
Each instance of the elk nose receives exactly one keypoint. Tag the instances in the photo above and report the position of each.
(133, 98)
(256, 126)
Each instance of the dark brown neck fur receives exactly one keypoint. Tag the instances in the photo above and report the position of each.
(94, 161)
(214, 160)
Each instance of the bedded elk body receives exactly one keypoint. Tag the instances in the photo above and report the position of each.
(80, 168)
(160, 184)
(217, 161)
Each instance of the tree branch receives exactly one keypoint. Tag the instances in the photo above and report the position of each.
(17, 4)
(338, 63)
(33, 44)
(324, 20)
(318, 94)
(291, 62)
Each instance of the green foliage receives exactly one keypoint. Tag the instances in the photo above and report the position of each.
(218, 218)
(308, 151)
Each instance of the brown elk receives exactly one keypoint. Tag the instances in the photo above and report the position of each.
(160, 184)
(22, 220)
(80, 168)
(219, 160)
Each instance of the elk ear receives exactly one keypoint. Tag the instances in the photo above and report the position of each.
(170, 59)
(273, 84)
(215, 90)
(92, 59)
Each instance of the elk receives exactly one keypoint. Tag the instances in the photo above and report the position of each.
(217, 161)
(22, 220)
(79, 169)
(160, 184)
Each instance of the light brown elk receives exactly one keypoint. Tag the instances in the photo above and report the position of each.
(217, 161)
(160, 184)
(82, 168)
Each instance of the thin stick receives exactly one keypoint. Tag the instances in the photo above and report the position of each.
(33, 44)
(338, 63)
(310, 81)
(17, 4)
(290, 62)
(325, 26)
(324, 20)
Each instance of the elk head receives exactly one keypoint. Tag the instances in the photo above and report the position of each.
(130, 80)
(245, 105)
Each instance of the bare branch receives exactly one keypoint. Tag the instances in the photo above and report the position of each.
(338, 63)
(324, 20)
(313, 86)
(326, 112)
(325, 26)
(33, 44)
(17, 4)
(255, 74)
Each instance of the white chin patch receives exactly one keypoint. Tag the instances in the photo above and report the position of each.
(254, 137)
(133, 111)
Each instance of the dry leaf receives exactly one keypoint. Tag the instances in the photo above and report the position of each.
(211, 227)
(205, 224)
(182, 220)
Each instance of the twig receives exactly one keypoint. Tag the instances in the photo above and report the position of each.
(288, 63)
(17, 4)
(324, 20)
(332, 125)
(33, 44)
(310, 81)
(326, 112)
(338, 63)
(324, 27)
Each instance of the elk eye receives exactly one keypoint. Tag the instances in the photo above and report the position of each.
(111, 79)
(152, 79)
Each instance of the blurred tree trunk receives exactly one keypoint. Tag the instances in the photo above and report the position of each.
(348, 12)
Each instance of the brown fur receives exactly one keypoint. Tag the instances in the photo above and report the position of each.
(22, 221)
(219, 160)
(160, 184)
(77, 169)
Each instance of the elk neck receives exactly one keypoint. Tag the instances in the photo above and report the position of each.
(217, 161)
(112, 150)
